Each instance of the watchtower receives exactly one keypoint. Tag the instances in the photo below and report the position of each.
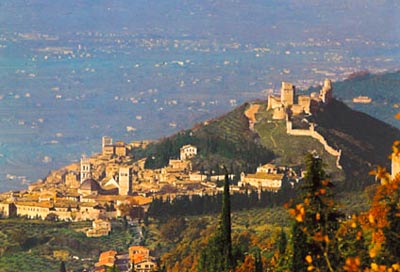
(326, 94)
(287, 94)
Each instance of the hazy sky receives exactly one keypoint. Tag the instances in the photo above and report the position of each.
(237, 19)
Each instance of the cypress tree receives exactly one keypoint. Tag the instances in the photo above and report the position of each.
(317, 222)
(217, 256)
(62, 267)
(258, 265)
(226, 230)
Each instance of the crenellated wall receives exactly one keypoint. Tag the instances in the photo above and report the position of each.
(314, 134)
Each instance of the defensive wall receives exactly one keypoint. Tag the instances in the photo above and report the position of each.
(314, 134)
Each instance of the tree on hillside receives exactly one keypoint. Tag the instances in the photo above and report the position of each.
(316, 222)
(62, 267)
(283, 259)
(217, 256)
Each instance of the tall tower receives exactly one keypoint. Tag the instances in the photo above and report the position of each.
(287, 93)
(124, 181)
(106, 143)
(326, 94)
(86, 169)
(395, 164)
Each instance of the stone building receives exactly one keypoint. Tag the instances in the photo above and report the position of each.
(288, 91)
(264, 181)
(99, 228)
(265, 178)
(187, 152)
(7, 209)
(124, 181)
(267, 168)
(89, 187)
(71, 180)
(288, 104)
(326, 95)
(120, 149)
(86, 169)
(141, 259)
(33, 209)
(305, 102)
(107, 147)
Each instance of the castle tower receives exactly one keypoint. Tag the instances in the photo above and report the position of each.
(107, 147)
(395, 164)
(287, 93)
(326, 94)
(124, 181)
(86, 169)
(106, 141)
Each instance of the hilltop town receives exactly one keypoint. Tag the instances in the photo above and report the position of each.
(100, 187)
(116, 182)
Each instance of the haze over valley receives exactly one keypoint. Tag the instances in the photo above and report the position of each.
(73, 71)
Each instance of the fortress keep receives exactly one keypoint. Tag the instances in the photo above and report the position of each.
(288, 104)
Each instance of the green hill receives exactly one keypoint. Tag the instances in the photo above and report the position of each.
(363, 140)
(225, 140)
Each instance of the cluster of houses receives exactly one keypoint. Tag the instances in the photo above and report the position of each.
(137, 259)
(97, 187)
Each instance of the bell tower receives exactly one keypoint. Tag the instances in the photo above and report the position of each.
(86, 169)
(124, 181)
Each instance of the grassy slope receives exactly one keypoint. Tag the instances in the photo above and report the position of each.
(224, 140)
(291, 150)
(365, 141)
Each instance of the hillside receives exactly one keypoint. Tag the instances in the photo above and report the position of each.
(363, 140)
(225, 140)
(383, 89)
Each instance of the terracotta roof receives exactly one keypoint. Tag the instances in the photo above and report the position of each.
(106, 258)
(131, 248)
(108, 253)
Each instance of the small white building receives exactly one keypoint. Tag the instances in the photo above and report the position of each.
(187, 152)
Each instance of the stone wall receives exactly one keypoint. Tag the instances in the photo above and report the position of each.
(314, 134)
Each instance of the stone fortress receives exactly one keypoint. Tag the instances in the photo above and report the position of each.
(296, 108)
(288, 104)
